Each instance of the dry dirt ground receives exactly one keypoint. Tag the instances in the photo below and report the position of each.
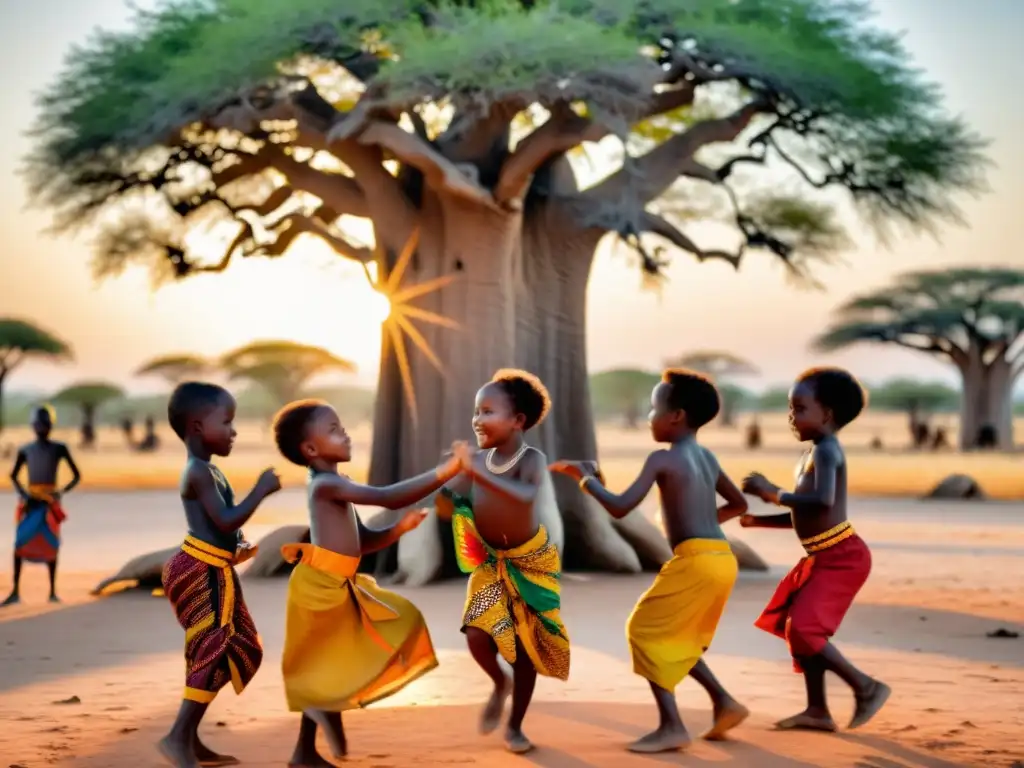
(94, 683)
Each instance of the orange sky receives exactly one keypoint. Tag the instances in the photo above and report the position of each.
(117, 324)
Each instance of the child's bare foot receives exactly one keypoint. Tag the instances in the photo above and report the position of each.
(662, 740)
(869, 703)
(490, 719)
(314, 760)
(726, 717)
(808, 721)
(516, 742)
(330, 725)
(210, 759)
(12, 599)
(177, 752)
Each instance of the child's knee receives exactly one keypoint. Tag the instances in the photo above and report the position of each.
(479, 640)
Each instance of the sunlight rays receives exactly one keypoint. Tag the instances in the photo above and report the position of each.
(398, 324)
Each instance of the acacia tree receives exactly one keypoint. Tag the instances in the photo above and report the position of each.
(89, 396)
(455, 121)
(973, 317)
(21, 340)
(174, 369)
(721, 366)
(626, 392)
(282, 368)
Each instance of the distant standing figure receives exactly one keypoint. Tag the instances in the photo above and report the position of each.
(150, 442)
(754, 435)
(39, 514)
(128, 427)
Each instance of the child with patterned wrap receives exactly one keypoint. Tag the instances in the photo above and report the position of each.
(514, 595)
(221, 642)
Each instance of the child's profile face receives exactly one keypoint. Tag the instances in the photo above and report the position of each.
(216, 427)
(494, 418)
(663, 420)
(807, 417)
(42, 424)
(326, 437)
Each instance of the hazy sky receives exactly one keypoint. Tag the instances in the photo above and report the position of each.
(971, 48)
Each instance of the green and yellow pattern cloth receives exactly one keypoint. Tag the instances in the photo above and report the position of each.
(513, 593)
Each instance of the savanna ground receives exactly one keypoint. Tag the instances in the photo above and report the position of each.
(894, 471)
(946, 574)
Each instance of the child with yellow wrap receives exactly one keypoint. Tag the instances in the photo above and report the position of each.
(674, 622)
(348, 642)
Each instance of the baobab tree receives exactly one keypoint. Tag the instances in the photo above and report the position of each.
(972, 317)
(21, 340)
(626, 392)
(89, 396)
(449, 127)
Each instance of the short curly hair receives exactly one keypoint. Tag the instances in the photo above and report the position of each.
(528, 394)
(693, 393)
(290, 428)
(190, 399)
(838, 390)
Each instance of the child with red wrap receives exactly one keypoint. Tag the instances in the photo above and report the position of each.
(812, 600)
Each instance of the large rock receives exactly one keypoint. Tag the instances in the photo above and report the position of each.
(645, 538)
(957, 487)
(748, 559)
(596, 534)
(268, 562)
(142, 572)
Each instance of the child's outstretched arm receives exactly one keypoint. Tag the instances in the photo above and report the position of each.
(522, 491)
(375, 539)
(618, 505)
(201, 483)
(76, 476)
(826, 459)
(19, 462)
(396, 495)
(735, 503)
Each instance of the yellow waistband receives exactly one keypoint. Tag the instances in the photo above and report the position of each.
(209, 554)
(829, 538)
(334, 563)
(538, 540)
(692, 547)
(42, 491)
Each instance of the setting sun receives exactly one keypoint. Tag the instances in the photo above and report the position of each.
(378, 307)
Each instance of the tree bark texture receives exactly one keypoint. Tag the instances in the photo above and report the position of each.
(987, 400)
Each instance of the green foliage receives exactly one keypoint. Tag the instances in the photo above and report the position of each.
(913, 396)
(940, 311)
(282, 368)
(623, 393)
(89, 394)
(20, 339)
(714, 363)
(774, 399)
(846, 107)
(175, 368)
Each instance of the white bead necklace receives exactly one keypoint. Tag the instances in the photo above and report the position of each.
(501, 469)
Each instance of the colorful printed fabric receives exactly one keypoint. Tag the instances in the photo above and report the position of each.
(221, 642)
(513, 593)
(37, 523)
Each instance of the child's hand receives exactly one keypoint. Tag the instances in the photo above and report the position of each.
(269, 482)
(748, 521)
(411, 520)
(757, 484)
(577, 470)
(465, 454)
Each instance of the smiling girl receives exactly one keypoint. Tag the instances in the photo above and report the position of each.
(514, 596)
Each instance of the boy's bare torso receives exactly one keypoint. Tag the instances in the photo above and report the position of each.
(500, 521)
(814, 519)
(199, 523)
(42, 459)
(689, 504)
(333, 524)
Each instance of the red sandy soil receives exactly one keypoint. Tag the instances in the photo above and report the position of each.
(944, 577)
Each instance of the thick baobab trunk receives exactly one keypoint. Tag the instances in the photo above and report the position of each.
(520, 299)
(987, 402)
(88, 425)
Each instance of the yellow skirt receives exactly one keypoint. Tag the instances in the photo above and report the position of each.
(348, 643)
(675, 620)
